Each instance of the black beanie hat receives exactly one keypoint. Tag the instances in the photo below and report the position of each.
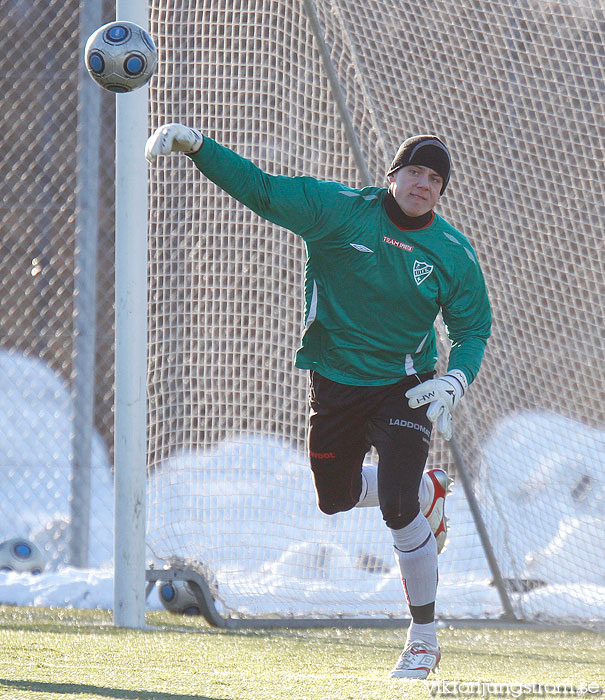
(426, 150)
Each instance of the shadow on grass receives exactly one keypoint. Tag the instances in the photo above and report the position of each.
(95, 690)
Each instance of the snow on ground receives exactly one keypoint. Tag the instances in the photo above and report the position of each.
(246, 509)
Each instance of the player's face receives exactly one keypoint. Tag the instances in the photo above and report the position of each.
(416, 189)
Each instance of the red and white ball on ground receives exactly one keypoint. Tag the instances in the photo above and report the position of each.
(120, 56)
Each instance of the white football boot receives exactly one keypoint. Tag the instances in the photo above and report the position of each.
(417, 660)
(438, 485)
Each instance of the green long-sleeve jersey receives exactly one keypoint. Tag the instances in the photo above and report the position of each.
(372, 290)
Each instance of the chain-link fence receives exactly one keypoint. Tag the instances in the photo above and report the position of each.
(48, 319)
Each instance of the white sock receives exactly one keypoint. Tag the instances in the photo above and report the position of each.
(369, 487)
(416, 553)
(424, 495)
(423, 633)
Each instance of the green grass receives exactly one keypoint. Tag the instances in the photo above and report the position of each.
(78, 654)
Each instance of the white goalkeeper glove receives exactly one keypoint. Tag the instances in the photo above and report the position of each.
(172, 138)
(442, 395)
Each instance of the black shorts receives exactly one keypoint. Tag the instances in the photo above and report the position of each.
(345, 421)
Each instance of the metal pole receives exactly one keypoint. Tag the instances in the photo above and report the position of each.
(337, 93)
(131, 345)
(85, 276)
(462, 471)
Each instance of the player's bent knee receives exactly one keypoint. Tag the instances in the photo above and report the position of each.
(398, 518)
(398, 508)
(331, 507)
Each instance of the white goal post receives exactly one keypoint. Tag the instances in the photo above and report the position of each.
(131, 345)
(515, 88)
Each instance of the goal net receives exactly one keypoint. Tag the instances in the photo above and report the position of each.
(515, 88)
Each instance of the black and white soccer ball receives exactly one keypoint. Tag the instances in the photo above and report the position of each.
(178, 597)
(22, 555)
(120, 56)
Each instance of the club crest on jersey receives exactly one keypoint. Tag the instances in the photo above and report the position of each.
(421, 271)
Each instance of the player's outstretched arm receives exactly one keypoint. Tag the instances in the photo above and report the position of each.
(172, 138)
(442, 395)
(304, 205)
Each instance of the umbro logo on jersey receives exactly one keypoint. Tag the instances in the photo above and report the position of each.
(361, 248)
(367, 197)
(421, 271)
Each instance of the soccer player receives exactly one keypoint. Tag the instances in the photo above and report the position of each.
(381, 265)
